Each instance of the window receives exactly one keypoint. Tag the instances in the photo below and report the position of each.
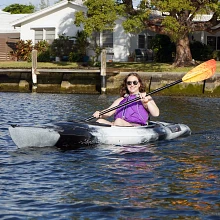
(141, 41)
(50, 35)
(95, 39)
(107, 38)
(47, 34)
(38, 35)
(149, 42)
(211, 41)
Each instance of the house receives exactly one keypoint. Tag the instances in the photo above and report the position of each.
(8, 34)
(213, 40)
(143, 39)
(49, 23)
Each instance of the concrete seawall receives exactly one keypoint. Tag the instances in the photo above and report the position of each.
(89, 81)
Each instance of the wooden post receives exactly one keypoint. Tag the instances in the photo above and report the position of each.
(103, 72)
(34, 70)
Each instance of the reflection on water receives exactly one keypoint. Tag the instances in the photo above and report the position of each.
(178, 179)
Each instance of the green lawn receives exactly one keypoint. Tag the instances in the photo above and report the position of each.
(126, 66)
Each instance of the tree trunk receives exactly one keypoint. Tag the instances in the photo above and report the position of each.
(183, 53)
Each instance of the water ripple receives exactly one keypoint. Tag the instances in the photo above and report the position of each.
(178, 179)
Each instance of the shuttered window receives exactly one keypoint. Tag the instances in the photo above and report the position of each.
(47, 34)
(95, 39)
(50, 35)
(213, 42)
(38, 36)
(107, 38)
(141, 41)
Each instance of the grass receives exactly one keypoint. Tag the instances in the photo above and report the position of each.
(125, 66)
(148, 67)
(26, 65)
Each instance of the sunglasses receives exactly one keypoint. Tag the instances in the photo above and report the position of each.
(130, 82)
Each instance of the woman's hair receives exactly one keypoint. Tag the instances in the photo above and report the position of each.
(124, 89)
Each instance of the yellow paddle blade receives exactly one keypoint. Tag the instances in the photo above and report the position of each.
(201, 72)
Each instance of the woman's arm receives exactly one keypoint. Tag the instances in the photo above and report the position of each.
(150, 105)
(108, 114)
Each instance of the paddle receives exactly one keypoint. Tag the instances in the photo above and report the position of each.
(199, 73)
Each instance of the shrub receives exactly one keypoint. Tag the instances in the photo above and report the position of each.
(42, 46)
(23, 50)
(61, 46)
(216, 55)
(43, 51)
(163, 48)
(75, 57)
(200, 51)
(44, 56)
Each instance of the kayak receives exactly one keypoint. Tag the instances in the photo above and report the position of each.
(70, 134)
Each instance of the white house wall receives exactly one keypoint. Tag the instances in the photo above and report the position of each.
(62, 19)
(121, 42)
(121, 45)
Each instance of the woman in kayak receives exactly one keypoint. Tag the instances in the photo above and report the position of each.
(136, 113)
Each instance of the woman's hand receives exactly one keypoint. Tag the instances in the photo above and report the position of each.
(96, 114)
(149, 104)
(145, 99)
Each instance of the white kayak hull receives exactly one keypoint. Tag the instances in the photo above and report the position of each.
(33, 136)
(68, 134)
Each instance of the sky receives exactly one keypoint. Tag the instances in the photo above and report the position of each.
(4, 3)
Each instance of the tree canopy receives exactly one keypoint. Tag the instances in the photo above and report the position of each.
(101, 15)
(171, 17)
(19, 9)
(176, 19)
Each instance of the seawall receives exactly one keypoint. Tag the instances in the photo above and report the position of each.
(89, 81)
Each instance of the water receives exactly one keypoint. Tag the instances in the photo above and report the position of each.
(178, 179)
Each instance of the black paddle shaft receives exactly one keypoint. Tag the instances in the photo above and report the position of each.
(136, 99)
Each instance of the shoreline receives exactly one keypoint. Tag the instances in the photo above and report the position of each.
(89, 82)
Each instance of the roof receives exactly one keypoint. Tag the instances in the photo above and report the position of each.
(18, 22)
(202, 17)
(6, 19)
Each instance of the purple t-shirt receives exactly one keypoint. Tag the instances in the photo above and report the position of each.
(133, 112)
